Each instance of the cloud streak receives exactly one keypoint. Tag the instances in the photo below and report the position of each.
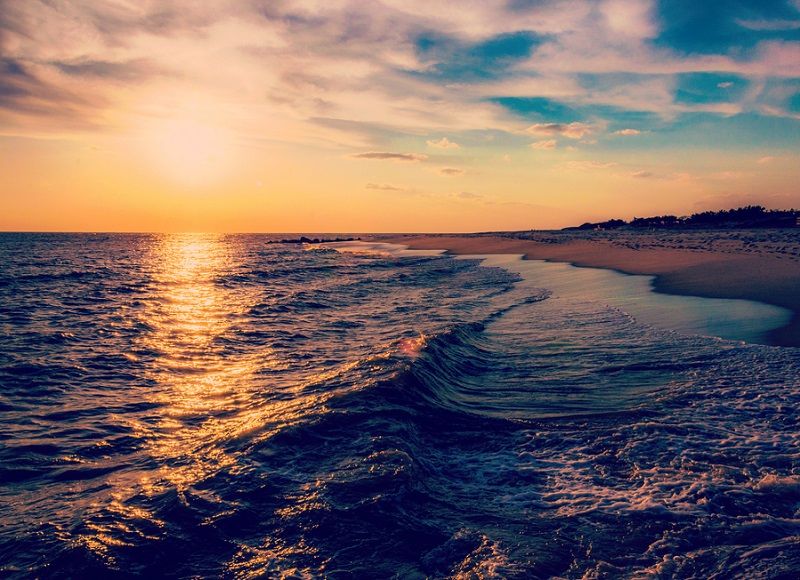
(443, 143)
(384, 187)
(547, 144)
(588, 165)
(451, 171)
(389, 156)
(573, 130)
(627, 132)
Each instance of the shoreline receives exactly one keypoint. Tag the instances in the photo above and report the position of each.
(762, 277)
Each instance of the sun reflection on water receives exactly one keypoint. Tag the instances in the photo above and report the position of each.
(217, 382)
(201, 387)
(211, 387)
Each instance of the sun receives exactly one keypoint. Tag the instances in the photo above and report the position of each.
(189, 151)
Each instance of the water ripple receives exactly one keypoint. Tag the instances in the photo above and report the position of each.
(207, 405)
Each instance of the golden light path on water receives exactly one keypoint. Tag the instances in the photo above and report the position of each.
(201, 395)
(217, 392)
(197, 384)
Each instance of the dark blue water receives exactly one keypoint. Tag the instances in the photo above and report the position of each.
(205, 406)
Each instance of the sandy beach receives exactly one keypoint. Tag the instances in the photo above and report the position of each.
(760, 265)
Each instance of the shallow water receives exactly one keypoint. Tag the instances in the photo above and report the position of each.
(194, 405)
(724, 318)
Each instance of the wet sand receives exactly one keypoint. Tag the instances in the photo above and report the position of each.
(753, 265)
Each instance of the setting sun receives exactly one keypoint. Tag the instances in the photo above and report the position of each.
(188, 151)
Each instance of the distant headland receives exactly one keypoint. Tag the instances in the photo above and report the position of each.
(751, 216)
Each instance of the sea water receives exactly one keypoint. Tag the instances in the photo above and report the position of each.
(208, 405)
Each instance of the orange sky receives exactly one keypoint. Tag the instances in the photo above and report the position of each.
(388, 116)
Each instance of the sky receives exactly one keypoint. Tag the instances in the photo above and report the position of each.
(392, 115)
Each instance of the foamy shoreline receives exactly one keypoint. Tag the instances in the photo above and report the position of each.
(758, 265)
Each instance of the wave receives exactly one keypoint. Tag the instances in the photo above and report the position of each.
(433, 419)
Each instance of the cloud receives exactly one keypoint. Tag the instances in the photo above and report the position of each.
(627, 132)
(573, 130)
(469, 195)
(769, 25)
(588, 165)
(33, 95)
(136, 70)
(724, 85)
(548, 144)
(629, 18)
(766, 159)
(390, 156)
(641, 174)
(443, 143)
(354, 75)
(364, 134)
(384, 187)
(452, 171)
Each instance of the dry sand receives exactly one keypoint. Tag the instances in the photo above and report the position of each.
(760, 265)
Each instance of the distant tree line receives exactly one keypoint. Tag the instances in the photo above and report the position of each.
(751, 216)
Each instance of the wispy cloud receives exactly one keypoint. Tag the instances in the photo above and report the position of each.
(451, 171)
(769, 25)
(573, 130)
(389, 156)
(588, 165)
(35, 92)
(469, 195)
(627, 132)
(384, 187)
(443, 143)
(129, 71)
(548, 144)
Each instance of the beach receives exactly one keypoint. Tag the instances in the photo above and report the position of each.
(759, 265)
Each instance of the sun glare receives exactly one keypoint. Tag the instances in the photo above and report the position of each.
(190, 152)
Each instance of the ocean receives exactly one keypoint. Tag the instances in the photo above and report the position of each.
(197, 405)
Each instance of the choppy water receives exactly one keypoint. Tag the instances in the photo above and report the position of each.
(193, 405)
